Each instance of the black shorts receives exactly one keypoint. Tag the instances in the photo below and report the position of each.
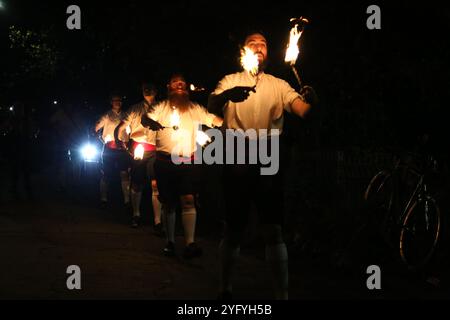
(243, 186)
(114, 160)
(175, 180)
(142, 171)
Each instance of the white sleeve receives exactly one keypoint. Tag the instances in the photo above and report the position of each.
(288, 94)
(156, 112)
(101, 122)
(129, 116)
(206, 118)
(223, 85)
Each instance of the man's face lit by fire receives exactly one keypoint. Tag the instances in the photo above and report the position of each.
(177, 86)
(258, 44)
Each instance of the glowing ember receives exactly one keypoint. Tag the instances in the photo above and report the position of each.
(249, 61)
(202, 138)
(139, 152)
(175, 119)
(128, 130)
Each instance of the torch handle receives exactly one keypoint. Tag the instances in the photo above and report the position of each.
(297, 76)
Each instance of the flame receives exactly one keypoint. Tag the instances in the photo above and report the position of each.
(192, 87)
(139, 152)
(128, 130)
(175, 119)
(202, 138)
(292, 50)
(249, 61)
(108, 138)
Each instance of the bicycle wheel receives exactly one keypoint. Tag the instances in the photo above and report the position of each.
(380, 198)
(420, 233)
(375, 192)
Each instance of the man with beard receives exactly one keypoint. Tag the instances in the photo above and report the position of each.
(114, 159)
(176, 121)
(247, 106)
(142, 169)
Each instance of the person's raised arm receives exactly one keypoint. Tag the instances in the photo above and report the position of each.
(302, 106)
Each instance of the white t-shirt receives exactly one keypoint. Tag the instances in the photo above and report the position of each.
(109, 122)
(132, 119)
(263, 109)
(180, 142)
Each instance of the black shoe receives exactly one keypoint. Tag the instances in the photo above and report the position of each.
(169, 249)
(192, 251)
(158, 230)
(225, 295)
(135, 222)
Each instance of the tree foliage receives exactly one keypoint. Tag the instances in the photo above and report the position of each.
(35, 58)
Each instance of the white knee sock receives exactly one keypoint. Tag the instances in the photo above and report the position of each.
(136, 202)
(125, 181)
(103, 190)
(228, 256)
(169, 217)
(156, 207)
(189, 217)
(277, 259)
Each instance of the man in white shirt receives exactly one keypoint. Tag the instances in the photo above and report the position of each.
(113, 158)
(255, 102)
(142, 169)
(177, 120)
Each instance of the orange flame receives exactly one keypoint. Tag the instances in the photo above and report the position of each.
(292, 50)
(175, 119)
(249, 61)
(192, 87)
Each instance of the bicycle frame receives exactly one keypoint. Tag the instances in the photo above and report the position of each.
(419, 186)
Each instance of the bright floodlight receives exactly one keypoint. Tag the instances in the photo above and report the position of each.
(89, 152)
(55, 102)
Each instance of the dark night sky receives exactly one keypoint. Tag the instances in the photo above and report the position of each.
(400, 68)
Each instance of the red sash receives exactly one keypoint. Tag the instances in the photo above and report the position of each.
(111, 145)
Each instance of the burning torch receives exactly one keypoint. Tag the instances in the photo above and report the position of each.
(194, 88)
(292, 50)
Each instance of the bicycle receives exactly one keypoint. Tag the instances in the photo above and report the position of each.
(411, 224)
